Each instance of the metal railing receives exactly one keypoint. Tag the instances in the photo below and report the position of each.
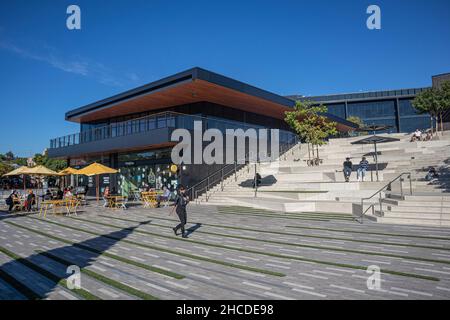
(220, 176)
(379, 193)
(168, 119)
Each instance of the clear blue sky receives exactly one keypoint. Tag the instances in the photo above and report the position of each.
(287, 47)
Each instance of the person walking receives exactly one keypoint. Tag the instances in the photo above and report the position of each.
(362, 168)
(348, 165)
(181, 201)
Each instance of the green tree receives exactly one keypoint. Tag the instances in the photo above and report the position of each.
(5, 168)
(53, 164)
(20, 161)
(308, 121)
(9, 156)
(436, 102)
(356, 120)
(445, 100)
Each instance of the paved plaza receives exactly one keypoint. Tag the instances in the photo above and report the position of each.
(231, 253)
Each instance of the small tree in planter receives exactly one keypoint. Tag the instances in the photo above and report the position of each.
(428, 102)
(356, 120)
(308, 121)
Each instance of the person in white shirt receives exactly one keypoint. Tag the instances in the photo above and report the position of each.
(417, 135)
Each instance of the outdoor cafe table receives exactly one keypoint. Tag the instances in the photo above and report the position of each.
(113, 200)
(149, 198)
(70, 205)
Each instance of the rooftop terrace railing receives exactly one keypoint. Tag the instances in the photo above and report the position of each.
(153, 122)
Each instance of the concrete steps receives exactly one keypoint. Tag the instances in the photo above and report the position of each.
(299, 188)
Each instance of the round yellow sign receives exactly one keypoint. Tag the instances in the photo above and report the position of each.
(174, 168)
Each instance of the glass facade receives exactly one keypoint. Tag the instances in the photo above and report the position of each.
(393, 107)
(372, 110)
(337, 110)
(397, 113)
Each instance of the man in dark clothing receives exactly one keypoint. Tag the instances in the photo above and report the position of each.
(10, 201)
(59, 194)
(347, 169)
(257, 179)
(181, 201)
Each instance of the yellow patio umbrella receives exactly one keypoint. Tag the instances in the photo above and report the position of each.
(96, 169)
(68, 171)
(40, 171)
(35, 171)
(16, 172)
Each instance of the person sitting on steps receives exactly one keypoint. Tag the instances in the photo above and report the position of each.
(362, 168)
(347, 169)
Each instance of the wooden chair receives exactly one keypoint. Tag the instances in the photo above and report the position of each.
(121, 202)
(149, 199)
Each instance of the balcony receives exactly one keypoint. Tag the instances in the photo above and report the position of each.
(139, 133)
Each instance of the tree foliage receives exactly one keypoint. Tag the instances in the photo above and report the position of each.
(5, 168)
(308, 121)
(53, 164)
(435, 101)
(356, 120)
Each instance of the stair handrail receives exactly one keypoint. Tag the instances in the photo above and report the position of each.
(234, 166)
(379, 193)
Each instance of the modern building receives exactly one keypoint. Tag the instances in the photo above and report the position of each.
(132, 131)
(393, 108)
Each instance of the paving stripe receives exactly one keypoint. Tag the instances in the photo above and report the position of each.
(421, 293)
(99, 252)
(99, 277)
(109, 293)
(347, 288)
(366, 233)
(310, 292)
(197, 257)
(277, 296)
(298, 285)
(67, 295)
(256, 285)
(293, 257)
(279, 233)
(177, 285)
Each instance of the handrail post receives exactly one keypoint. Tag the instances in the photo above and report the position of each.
(381, 205)
(235, 169)
(221, 179)
(362, 210)
(410, 184)
(256, 182)
(401, 187)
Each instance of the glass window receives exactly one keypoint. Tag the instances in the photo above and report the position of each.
(337, 110)
(368, 110)
(406, 108)
(410, 124)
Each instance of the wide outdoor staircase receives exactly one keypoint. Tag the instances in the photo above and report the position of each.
(289, 185)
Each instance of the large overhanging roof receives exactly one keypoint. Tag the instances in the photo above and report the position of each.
(190, 86)
(193, 85)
